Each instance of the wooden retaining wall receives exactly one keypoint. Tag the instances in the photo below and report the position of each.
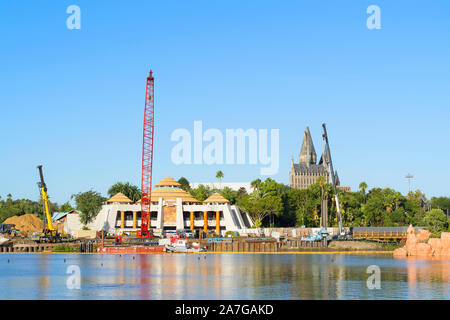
(26, 248)
(298, 243)
(242, 245)
(37, 247)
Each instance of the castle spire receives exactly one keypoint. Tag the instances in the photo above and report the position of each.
(307, 153)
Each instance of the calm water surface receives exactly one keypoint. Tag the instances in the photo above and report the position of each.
(221, 276)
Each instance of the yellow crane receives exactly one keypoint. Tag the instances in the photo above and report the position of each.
(43, 187)
(49, 233)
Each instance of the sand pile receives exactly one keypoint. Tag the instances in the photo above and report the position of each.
(26, 223)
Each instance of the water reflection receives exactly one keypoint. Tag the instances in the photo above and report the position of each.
(222, 276)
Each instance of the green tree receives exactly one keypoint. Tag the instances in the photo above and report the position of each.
(373, 211)
(261, 208)
(131, 191)
(185, 185)
(301, 203)
(88, 205)
(202, 192)
(229, 194)
(219, 175)
(363, 187)
(435, 221)
(441, 203)
(240, 193)
(65, 207)
(255, 184)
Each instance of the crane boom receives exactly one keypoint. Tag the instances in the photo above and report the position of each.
(43, 187)
(333, 177)
(147, 156)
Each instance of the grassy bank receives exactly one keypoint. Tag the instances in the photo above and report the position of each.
(64, 248)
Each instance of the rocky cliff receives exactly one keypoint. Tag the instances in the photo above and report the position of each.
(420, 244)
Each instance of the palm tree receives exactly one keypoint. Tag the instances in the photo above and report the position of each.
(255, 184)
(363, 187)
(219, 175)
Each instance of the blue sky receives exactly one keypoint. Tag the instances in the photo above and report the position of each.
(73, 100)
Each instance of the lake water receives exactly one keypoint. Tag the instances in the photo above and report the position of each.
(221, 276)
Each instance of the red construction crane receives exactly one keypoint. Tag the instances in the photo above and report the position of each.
(147, 156)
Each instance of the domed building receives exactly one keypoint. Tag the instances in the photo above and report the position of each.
(172, 209)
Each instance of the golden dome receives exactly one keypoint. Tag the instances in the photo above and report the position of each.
(216, 198)
(168, 182)
(119, 198)
(169, 189)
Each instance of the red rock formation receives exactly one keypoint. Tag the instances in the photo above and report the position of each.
(421, 245)
(401, 252)
(423, 235)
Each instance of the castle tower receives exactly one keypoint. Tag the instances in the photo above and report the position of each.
(307, 171)
(307, 153)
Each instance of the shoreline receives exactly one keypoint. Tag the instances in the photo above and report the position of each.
(366, 252)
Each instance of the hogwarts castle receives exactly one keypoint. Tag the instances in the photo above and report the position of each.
(306, 172)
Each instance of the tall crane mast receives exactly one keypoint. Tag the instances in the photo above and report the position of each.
(333, 177)
(147, 156)
(43, 187)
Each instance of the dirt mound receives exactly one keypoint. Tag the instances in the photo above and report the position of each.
(26, 223)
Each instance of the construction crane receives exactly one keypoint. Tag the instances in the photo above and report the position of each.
(147, 157)
(48, 227)
(333, 179)
(49, 233)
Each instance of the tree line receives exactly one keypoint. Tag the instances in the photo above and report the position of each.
(270, 203)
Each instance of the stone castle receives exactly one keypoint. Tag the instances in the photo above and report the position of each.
(306, 172)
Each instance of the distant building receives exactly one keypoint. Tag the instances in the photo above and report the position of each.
(172, 209)
(59, 220)
(307, 171)
(60, 217)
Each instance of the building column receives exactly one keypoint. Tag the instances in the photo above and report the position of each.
(217, 222)
(179, 214)
(122, 219)
(134, 219)
(192, 221)
(205, 221)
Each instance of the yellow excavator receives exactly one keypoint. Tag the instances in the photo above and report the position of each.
(49, 233)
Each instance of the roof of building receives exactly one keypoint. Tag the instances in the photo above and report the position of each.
(60, 215)
(310, 169)
(216, 198)
(169, 189)
(168, 182)
(119, 198)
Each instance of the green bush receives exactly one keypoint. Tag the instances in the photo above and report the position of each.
(64, 248)
(390, 247)
(232, 234)
(435, 235)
